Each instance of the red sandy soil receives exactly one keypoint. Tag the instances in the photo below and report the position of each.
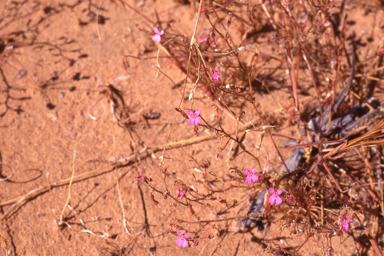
(44, 118)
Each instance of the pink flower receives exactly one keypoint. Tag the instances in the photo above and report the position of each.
(193, 120)
(303, 23)
(345, 224)
(201, 67)
(326, 23)
(181, 193)
(203, 37)
(141, 177)
(202, 9)
(289, 198)
(215, 75)
(182, 242)
(157, 37)
(275, 197)
(251, 177)
(213, 42)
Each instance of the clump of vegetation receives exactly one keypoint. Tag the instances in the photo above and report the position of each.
(332, 183)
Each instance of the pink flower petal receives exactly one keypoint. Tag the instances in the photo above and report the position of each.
(186, 235)
(278, 200)
(279, 192)
(253, 170)
(213, 42)
(254, 178)
(345, 224)
(189, 112)
(156, 30)
(181, 194)
(203, 37)
(191, 121)
(271, 200)
(197, 121)
(185, 243)
(245, 171)
(179, 234)
(202, 9)
(271, 190)
(141, 177)
(162, 32)
(156, 38)
(248, 179)
(326, 24)
(197, 112)
(179, 242)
